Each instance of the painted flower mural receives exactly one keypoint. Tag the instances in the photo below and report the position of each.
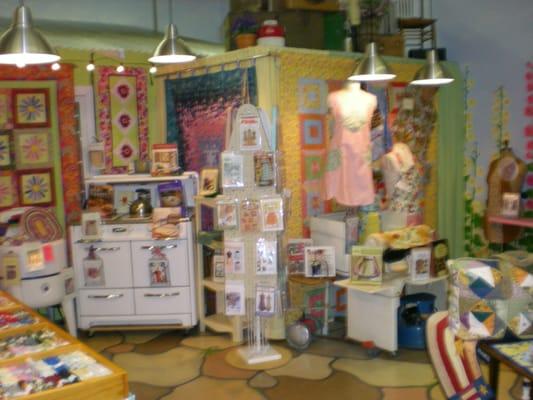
(36, 188)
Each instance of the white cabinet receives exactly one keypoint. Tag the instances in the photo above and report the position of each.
(126, 296)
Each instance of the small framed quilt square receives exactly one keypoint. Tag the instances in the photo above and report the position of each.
(32, 149)
(6, 153)
(8, 195)
(31, 108)
(36, 187)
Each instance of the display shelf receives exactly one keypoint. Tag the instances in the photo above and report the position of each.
(500, 219)
(212, 285)
(219, 323)
(113, 386)
(133, 178)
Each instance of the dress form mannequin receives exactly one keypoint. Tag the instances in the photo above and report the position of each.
(348, 174)
(506, 174)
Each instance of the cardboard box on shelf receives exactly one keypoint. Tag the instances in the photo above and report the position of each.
(388, 45)
(318, 5)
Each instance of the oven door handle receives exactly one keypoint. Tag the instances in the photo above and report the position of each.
(106, 296)
(174, 294)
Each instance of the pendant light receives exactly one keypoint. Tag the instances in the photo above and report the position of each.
(372, 67)
(172, 49)
(22, 44)
(433, 73)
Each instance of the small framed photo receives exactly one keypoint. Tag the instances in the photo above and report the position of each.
(6, 152)
(164, 159)
(219, 268)
(272, 214)
(266, 257)
(33, 149)
(227, 214)
(234, 296)
(265, 300)
(123, 195)
(158, 268)
(419, 263)
(208, 181)
(319, 261)
(232, 170)
(31, 108)
(90, 226)
(234, 256)
(366, 265)
(36, 187)
(250, 133)
(264, 171)
(510, 204)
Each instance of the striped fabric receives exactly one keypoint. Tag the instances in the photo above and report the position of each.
(455, 362)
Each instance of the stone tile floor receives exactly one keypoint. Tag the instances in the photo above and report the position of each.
(166, 365)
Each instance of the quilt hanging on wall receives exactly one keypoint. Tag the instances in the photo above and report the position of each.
(197, 111)
(122, 116)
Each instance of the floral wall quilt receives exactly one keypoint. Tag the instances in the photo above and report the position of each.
(122, 116)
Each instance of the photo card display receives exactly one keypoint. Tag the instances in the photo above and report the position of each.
(272, 214)
(265, 300)
(208, 181)
(366, 265)
(250, 132)
(227, 213)
(232, 170)
(234, 256)
(296, 255)
(234, 297)
(319, 261)
(91, 226)
(218, 268)
(158, 268)
(419, 263)
(266, 257)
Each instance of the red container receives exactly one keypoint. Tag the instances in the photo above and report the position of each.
(271, 34)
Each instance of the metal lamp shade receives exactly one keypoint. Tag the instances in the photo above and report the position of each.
(171, 49)
(22, 44)
(433, 73)
(372, 67)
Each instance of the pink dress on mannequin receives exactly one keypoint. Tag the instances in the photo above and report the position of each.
(348, 174)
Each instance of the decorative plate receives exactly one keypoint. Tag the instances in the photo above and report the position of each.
(39, 224)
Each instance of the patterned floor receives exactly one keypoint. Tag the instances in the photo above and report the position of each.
(170, 365)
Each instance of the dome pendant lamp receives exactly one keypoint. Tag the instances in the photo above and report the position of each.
(22, 44)
(433, 73)
(172, 49)
(372, 67)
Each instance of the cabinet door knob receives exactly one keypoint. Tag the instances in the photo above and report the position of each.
(106, 296)
(174, 294)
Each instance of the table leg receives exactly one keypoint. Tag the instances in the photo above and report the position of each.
(494, 370)
(70, 317)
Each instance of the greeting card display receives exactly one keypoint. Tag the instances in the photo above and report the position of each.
(93, 269)
(250, 216)
(165, 222)
(227, 214)
(366, 265)
(158, 268)
(296, 255)
(265, 301)
(10, 269)
(218, 268)
(419, 263)
(232, 170)
(234, 256)
(164, 159)
(319, 261)
(234, 296)
(272, 214)
(264, 172)
(266, 257)
(208, 181)
(90, 226)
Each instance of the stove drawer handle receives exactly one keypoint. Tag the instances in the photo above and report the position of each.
(162, 294)
(168, 246)
(106, 248)
(106, 296)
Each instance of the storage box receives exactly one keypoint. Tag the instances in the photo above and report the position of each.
(330, 230)
(388, 45)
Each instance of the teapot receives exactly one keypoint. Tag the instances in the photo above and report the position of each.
(142, 206)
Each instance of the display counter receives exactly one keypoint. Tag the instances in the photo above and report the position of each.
(36, 354)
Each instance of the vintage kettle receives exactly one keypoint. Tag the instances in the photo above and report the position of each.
(142, 206)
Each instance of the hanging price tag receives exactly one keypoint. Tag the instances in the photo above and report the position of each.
(10, 269)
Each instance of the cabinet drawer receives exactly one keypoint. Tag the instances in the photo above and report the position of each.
(178, 261)
(168, 300)
(116, 260)
(106, 302)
